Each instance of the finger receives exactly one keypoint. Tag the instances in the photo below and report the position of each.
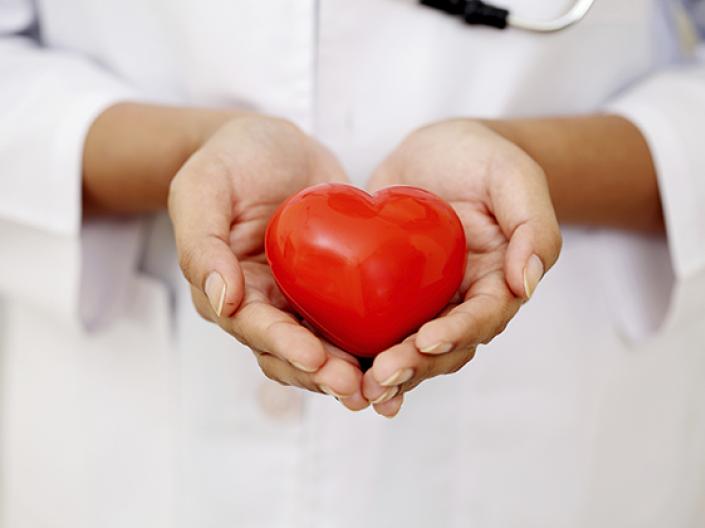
(339, 379)
(356, 402)
(336, 378)
(261, 326)
(201, 215)
(392, 368)
(533, 249)
(391, 408)
(402, 368)
(522, 205)
(284, 373)
(339, 353)
(374, 392)
(486, 312)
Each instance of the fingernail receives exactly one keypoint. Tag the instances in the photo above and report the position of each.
(215, 291)
(303, 367)
(330, 392)
(438, 348)
(386, 395)
(533, 272)
(399, 377)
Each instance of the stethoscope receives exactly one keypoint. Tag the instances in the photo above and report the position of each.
(477, 12)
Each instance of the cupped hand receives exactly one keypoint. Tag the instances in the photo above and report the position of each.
(502, 199)
(220, 202)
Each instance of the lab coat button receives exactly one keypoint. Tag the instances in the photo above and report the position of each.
(279, 402)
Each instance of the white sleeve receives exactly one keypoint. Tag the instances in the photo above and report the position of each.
(48, 100)
(669, 109)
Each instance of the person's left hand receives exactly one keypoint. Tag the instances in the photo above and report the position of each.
(502, 199)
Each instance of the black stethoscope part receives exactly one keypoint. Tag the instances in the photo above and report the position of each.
(476, 12)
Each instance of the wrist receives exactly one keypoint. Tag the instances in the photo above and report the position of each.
(599, 168)
(519, 133)
(133, 150)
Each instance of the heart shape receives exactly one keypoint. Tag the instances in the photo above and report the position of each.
(366, 270)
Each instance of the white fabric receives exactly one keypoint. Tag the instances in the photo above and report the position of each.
(590, 409)
(669, 109)
(48, 99)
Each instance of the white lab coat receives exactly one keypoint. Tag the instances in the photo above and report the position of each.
(120, 408)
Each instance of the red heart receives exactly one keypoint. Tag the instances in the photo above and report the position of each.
(366, 271)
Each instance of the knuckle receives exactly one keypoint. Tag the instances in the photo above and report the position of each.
(269, 375)
(489, 338)
(458, 363)
(309, 385)
(427, 368)
(301, 380)
(410, 385)
(284, 375)
(268, 371)
(282, 382)
(498, 330)
(455, 368)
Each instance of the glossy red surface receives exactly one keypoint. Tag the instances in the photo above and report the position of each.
(366, 271)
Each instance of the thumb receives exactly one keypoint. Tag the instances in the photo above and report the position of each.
(524, 211)
(201, 213)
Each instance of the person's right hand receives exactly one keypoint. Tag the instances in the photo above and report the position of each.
(220, 203)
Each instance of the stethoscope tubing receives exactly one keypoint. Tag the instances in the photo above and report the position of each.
(575, 14)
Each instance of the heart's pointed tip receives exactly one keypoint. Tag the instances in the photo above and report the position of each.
(365, 362)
